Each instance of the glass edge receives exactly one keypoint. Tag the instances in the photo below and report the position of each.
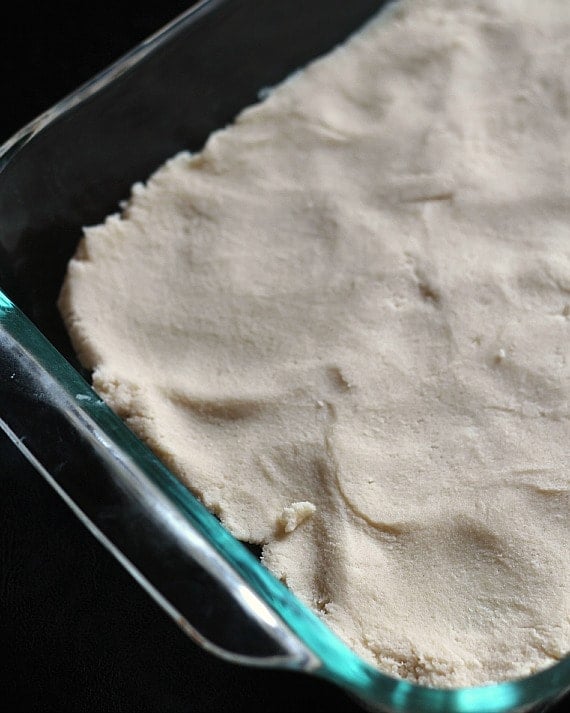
(340, 665)
(106, 76)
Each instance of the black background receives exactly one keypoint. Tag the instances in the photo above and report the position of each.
(77, 633)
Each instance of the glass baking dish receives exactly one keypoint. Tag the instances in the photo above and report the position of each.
(73, 166)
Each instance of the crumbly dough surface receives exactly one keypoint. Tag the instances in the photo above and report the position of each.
(345, 324)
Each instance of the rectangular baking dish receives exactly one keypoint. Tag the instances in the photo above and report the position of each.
(72, 167)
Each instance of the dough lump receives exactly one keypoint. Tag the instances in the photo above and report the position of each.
(344, 325)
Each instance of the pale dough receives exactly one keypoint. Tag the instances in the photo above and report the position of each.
(344, 325)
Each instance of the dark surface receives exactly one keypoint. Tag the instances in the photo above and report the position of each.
(77, 632)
